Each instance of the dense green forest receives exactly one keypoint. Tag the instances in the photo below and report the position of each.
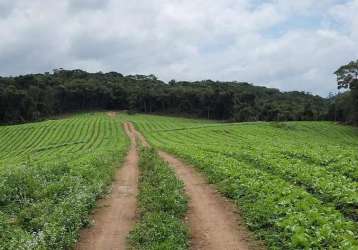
(36, 96)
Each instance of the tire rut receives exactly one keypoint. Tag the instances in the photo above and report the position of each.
(115, 215)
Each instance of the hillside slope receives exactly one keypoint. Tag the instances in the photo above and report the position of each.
(296, 182)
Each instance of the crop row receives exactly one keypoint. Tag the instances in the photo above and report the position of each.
(285, 215)
(329, 185)
(333, 188)
(54, 139)
(292, 180)
(44, 202)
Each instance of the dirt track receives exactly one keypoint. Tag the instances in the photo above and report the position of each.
(212, 219)
(112, 114)
(213, 222)
(139, 136)
(116, 214)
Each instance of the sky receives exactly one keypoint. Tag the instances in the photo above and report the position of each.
(285, 44)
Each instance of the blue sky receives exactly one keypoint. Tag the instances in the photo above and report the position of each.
(286, 44)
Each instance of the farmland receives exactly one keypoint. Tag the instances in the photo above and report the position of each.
(295, 182)
(51, 173)
(162, 207)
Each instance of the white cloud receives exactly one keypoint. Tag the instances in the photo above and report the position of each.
(184, 39)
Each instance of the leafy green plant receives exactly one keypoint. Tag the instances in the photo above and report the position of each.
(295, 182)
(46, 195)
(162, 206)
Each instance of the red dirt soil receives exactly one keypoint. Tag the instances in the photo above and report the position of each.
(116, 214)
(213, 222)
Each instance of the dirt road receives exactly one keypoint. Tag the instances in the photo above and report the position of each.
(112, 114)
(140, 137)
(115, 215)
(213, 221)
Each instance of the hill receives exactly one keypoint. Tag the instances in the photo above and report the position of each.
(37, 96)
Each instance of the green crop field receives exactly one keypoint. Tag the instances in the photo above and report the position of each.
(51, 173)
(295, 182)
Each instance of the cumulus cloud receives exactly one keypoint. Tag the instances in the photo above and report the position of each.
(292, 45)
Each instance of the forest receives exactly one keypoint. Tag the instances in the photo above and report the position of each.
(34, 97)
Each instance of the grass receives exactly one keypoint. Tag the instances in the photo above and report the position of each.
(162, 206)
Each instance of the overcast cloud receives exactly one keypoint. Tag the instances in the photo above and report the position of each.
(286, 44)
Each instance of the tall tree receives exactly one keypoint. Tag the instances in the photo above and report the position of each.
(347, 78)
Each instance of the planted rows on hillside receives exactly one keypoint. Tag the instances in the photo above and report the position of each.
(51, 174)
(292, 180)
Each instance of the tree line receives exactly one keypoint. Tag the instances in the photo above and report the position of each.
(36, 96)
